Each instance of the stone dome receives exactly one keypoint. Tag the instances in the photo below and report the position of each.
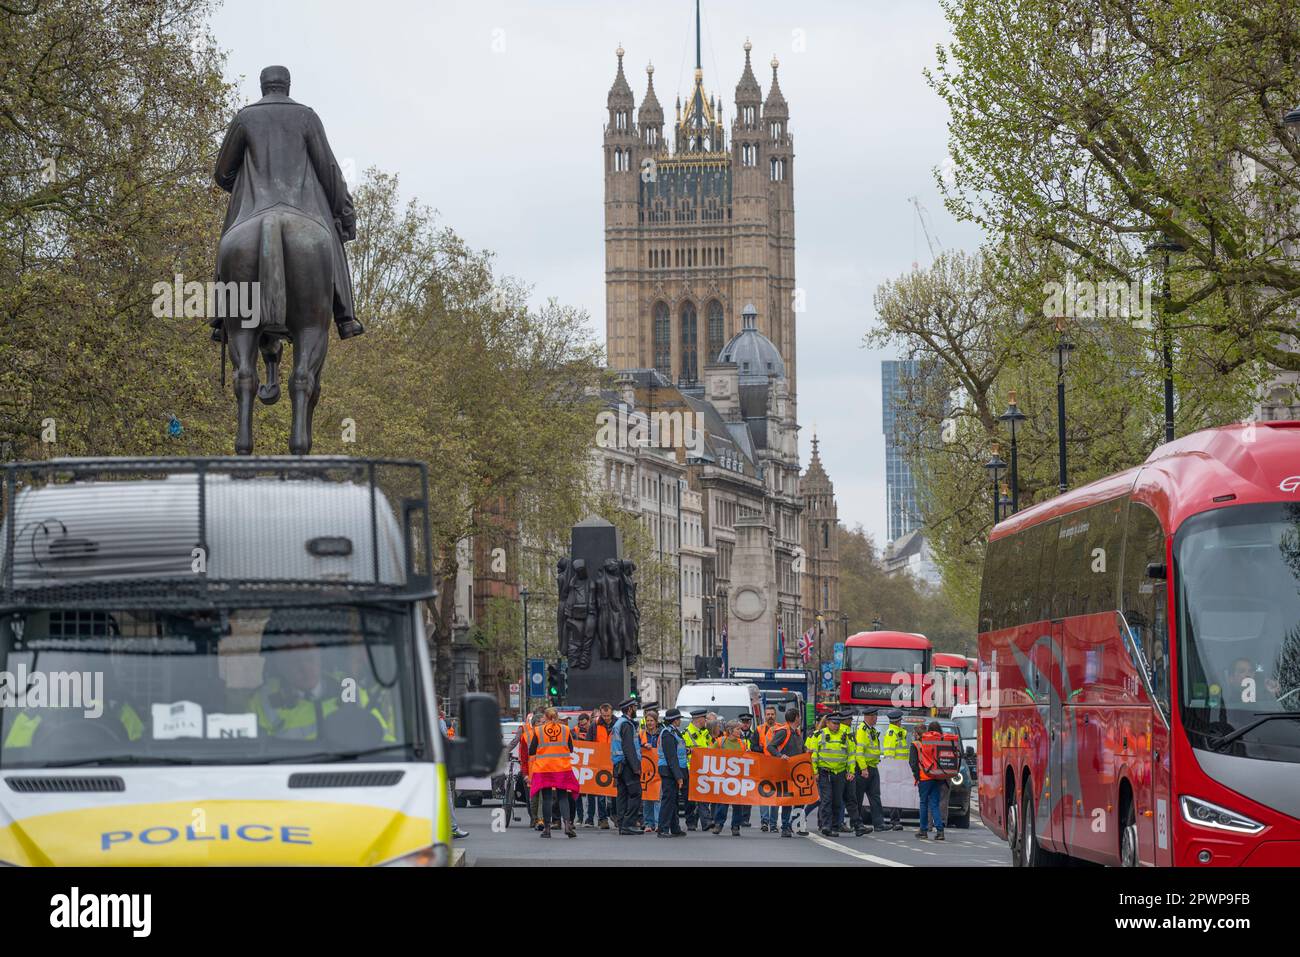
(754, 353)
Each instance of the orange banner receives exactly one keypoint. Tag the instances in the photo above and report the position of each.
(595, 772)
(748, 777)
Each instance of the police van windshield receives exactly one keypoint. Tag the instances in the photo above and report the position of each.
(243, 686)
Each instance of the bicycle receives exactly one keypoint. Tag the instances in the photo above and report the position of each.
(508, 789)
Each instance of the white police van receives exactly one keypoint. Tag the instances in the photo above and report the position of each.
(222, 661)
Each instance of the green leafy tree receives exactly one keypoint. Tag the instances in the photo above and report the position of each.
(1097, 126)
(110, 120)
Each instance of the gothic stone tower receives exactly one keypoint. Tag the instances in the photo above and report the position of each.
(696, 231)
(821, 578)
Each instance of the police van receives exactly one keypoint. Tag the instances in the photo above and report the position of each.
(223, 661)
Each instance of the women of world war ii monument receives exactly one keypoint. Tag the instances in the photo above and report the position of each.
(598, 619)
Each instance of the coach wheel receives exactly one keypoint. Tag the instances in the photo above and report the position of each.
(1029, 833)
(1013, 829)
(1128, 839)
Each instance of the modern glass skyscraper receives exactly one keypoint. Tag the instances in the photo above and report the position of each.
(900, 486)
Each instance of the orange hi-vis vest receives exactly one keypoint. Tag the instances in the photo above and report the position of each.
(765, 733)
(938, 755)
(554, 748)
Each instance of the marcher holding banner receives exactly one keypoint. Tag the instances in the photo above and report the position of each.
(767, 813)
(733, 741)
(786, 743)
(650, 743)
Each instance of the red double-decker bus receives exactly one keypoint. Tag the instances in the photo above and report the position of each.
(950, 671)
(872, 658)
(1144, 631)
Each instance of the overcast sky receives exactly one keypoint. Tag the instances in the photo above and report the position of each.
(491, 111)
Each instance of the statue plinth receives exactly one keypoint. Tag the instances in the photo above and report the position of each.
(594, 542)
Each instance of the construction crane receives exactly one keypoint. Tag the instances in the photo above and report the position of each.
(932, 241)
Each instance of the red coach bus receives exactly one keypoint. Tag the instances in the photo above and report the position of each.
(872, 658)
(1145, 634)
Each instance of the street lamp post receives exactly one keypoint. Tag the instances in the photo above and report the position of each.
(1014, 416)
(1166, 246)
(1063, 349)
(995, 465)
(524, 687)
(1004, 500)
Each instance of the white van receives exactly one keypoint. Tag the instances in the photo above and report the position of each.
(247, 638)
(967, 718)
(726, 697)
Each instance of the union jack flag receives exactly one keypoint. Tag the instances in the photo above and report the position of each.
(806, 645)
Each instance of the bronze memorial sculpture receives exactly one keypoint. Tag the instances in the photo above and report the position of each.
(288, 218)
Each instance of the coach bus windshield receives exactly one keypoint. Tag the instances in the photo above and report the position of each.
(83, 688)
(1238, 577)
(883, 659)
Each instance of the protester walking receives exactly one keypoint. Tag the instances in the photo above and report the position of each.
(551, 765)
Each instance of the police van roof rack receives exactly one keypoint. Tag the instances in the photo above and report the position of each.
(196, 532)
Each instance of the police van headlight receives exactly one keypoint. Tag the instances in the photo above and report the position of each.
(1205, 814)
(424, 857)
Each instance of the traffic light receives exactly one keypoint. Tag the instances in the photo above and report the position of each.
(633, 694)
(552, 682)
(557, 682)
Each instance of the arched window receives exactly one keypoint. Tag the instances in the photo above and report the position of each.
(716, 341)
(663, 340)
(689, 348)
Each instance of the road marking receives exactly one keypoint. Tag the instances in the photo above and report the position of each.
(883, 861)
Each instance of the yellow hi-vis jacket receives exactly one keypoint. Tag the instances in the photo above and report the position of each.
(697, 737)
(869, 748)
(893, 743)
(833, 751)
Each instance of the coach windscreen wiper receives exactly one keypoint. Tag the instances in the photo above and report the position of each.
(1220, 743)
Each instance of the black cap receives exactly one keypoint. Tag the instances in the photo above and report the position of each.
(671, 715)
(867, 711)
(746, 716)
(627, 703)
(894, 715)
(697, 712)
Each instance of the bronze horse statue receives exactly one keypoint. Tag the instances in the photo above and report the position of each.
(289, 215)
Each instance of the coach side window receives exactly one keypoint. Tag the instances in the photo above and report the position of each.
(1046, 592)
(1144, 602)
